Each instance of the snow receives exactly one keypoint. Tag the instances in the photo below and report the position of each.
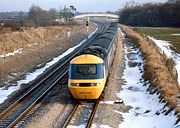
(165, 48)
(31, 76)
(176, 34)
(143, 121)
(106, 102)
(4, 93)
(80, 126)
(30, 45)
(152, 27)
(93, 32)
(122, 33)
(93, 126)
(146, 111)
(101, 126)
(18, 51)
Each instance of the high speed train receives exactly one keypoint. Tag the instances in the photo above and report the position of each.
(89, 70)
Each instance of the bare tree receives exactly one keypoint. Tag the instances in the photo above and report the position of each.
(34, 14)
(42, 17)
(67, 14)
(54, 13)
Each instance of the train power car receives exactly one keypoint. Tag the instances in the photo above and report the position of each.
(88, 71)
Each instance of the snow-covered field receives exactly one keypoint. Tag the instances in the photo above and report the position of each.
(146, 111)
(4, 93)
(165, 48)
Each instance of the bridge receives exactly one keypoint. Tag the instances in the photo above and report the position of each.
(91, 15)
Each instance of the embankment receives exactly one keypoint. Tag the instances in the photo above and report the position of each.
(156, 71)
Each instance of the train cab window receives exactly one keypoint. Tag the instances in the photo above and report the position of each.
(86, 71)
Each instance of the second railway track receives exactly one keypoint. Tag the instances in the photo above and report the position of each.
(11, 114)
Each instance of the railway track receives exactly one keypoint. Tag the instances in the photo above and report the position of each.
(13, 113)
(83, 113)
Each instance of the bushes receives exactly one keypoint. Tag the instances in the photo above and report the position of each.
(156, 15)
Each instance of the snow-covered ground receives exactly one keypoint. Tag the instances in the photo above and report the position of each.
(165, 48)
(4, 93)
(146, 111)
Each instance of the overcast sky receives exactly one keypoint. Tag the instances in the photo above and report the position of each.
(81, 5)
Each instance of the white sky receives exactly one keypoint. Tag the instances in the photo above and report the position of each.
(81, 5)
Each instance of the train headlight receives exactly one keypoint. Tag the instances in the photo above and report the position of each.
(94, 84)
(74, 84)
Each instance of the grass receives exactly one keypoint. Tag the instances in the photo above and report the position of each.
(163, 34)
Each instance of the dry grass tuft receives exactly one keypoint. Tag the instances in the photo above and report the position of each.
(158, 70)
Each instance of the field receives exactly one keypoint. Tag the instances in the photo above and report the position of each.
(167, 34)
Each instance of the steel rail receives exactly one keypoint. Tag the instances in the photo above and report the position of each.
(92, 114)
(68, 120)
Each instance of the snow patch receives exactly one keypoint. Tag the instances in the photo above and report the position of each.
(80, 126)
(18, 51)
(93, 31)
(100, 126)
(93, 126)
(122, 33)
(143, 121)
(176, 34)
(106, 102)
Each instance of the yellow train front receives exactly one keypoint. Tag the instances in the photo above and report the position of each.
(88, 71)
(86, 77)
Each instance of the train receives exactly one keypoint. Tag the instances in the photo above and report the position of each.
(88, 71)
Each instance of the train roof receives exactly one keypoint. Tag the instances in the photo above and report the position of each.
(96, 50)
(90, 59)
(107, 35)
(103, 42)
(100, 46)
